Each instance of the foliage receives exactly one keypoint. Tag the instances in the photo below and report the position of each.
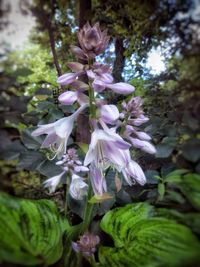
(142, 238)
(189, 185)
(31, 231)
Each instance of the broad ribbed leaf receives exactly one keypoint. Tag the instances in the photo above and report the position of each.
(190, 186)
(31, 231)
(143, 239)
(188, 183)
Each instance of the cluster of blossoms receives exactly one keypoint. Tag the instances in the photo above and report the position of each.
(86, 244)
(71, 166)
(107, 148)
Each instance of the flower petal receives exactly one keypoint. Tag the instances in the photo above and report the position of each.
(53, 182)
(143, 136)
(68, 98)
(135, 171)
(78, 52)
(43, 129)
(78, 188)
(50, 139)
(106, 78)
(98, 85)
(121, 88)
(109, 113)
(67, 78)
(97, 180)
(75, 66)
(143, 145)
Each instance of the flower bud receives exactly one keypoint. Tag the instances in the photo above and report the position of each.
(86, 244)
(92, 40)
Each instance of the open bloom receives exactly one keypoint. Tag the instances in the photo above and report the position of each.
(109, 113)
(103, 148)
(78, 188)
(108, 149)
(58, 133)
(53, 182)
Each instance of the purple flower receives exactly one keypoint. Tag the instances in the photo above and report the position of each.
(143, 145)
(103, 148)
(121, 88)
(133, 172)
(75, 66)
(138, 121)
(92, 40)
(58, 133)
(69, 97)
(109, 113)
(78, 188)
(53, 182)
(98, 181)
(67, 78)
(78, 52)
(86, 244)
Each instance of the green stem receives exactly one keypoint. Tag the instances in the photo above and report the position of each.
(66, 200)
(88, 211)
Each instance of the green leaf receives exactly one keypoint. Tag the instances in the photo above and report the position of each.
(161, 191)
(143, 239)
(190, 187)
(150, 175)
(30, 141)
(31, 231)
(164, 150)
(191, 151)
(191, 219)
(175, 176)
(189, 184)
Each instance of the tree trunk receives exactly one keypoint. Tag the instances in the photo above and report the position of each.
(119, 60)
(46, 20)
(85, 7)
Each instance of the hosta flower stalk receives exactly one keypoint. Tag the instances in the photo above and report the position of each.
(115, 131)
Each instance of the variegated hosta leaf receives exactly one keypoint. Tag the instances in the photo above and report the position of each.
(188, 183)
(143, 240)
(31, 231)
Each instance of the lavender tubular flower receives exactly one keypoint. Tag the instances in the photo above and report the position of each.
(109, 113)
(53, 182)
(121, 88)
(143, 145)
(58, 133)
(97, 180)
(133, 172)
(69, 97)
(135, 117)
(78, 188)
(67, 78)
(100, 148)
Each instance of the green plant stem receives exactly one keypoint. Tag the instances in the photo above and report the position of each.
(88, 211)
(66, 205)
